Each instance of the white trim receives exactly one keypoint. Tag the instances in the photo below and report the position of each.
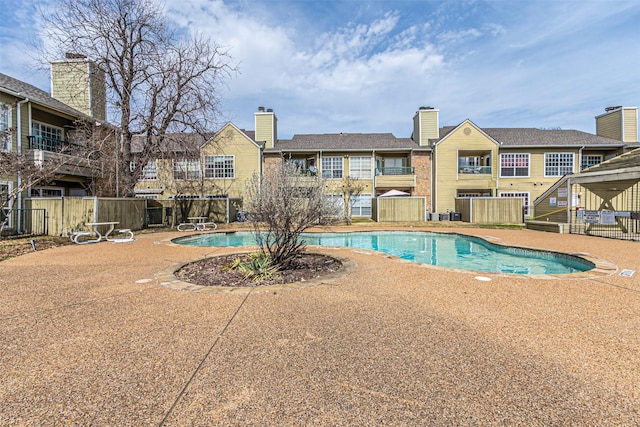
(213, 169)
(528, 175)
(573, 164)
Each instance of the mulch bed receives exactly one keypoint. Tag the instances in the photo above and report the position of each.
(10, 248)
(212, 271)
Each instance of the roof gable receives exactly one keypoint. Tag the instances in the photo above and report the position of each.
(449, 131)
(229, 126)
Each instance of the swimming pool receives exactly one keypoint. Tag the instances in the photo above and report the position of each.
(440, 249)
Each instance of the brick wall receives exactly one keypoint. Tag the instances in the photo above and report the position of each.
(421, 161)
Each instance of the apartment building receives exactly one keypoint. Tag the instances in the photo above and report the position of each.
(439, 163)
(50, 131)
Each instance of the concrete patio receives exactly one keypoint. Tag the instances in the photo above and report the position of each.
(89, 336)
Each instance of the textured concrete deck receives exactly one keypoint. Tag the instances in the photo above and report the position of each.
(89, 336)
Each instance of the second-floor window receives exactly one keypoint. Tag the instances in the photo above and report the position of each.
(590, 160)
(558, 164)
(149, 171)
(514, 164)
(46, 131)
(219, 167)
(360, 167)
(332, 167)
(186, 169)
(5, 124)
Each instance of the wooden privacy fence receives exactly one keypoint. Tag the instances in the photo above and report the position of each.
(68, 214)
(399, 209)
(491, 210)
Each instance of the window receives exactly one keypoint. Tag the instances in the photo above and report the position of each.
(219, 167)
(590, 160)
(332, 167)
(336, 201)
(5, 202)
(149, 171)
(525, 196)
(360, 167)
(514, 164)
(5, 125)
(186, 169)
(558, 164)
(46, 131)
(361, 205)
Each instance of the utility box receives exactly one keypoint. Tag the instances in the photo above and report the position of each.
(435, 216)
(444, 216)
(456, 216)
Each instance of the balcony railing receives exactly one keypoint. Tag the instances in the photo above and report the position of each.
(45, 143)
(471, 170)
(396, 170)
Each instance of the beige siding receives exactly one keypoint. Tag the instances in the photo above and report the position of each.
(447, 177)
(266, 128)
(70, 84)
(230, 141)
(81, 85)
(630, 125)
(610, 125)
(426, 126)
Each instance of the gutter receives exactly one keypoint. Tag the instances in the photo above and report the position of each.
(19, 150)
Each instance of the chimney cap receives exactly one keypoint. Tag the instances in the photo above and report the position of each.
(269, 110)
(261, 109)
(426, 108)
(613, 108)
(71, 55)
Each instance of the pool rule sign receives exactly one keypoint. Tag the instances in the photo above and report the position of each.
(591, 217)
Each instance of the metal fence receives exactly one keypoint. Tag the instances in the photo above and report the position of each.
(610, 213)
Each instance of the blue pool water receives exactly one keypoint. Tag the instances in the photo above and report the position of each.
(441, 249)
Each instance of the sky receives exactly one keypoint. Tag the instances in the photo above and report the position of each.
(367, 66)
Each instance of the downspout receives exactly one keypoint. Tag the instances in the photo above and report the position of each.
(19, 150)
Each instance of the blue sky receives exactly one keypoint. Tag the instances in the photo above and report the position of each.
(366, 66)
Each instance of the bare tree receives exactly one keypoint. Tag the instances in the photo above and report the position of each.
(159, 79)
(31, 174)
(282, 204)
(351, 190)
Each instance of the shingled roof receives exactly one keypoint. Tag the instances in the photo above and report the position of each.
(36, 95)
(345, 142)
(532, 137)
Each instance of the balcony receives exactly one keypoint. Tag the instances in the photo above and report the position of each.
(474, 170)
(395, 177)
(66, 158)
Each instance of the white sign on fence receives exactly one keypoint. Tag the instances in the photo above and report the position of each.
(608, 218)
(592, 217)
